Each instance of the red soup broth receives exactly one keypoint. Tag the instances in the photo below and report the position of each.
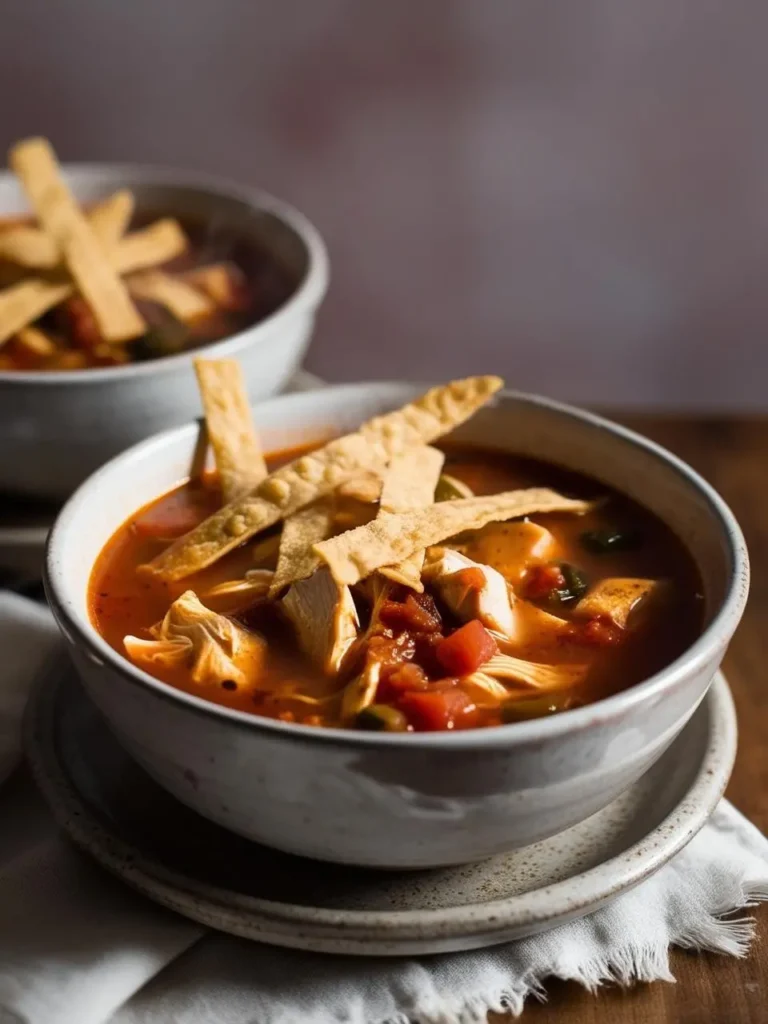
(124, 602)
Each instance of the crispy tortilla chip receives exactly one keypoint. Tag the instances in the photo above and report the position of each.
(148, 247)
(296, 559)
(410, 484)
(34, 163)
(238, 454)
(30, 247)
(225, 283)
(26, 301)
(353, 556)
(364, 488)
(35, 342)
(313, 476)
(410, 480)
(110, 218)
(185, 302)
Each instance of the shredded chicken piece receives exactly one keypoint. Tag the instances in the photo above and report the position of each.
(361, 691)
(615, 599)
(510, 547)
(324, 617)
(253, 586)
(541, 677)
(491, 602)
(214, 647)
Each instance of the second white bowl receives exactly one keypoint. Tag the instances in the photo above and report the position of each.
(57, 427)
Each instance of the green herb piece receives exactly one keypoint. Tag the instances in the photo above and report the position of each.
(575, 585)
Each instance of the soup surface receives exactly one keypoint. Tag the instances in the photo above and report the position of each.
(591, 604)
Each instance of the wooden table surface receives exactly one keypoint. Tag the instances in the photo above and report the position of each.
(732, 454)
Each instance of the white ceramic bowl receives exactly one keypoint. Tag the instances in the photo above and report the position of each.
(388, 800)
(57, 427)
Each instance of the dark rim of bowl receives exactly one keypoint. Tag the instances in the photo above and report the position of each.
(717, 633)
(309, 290)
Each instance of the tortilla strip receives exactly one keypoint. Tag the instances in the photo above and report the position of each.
(26, 301)
(185, 302)
(365, 488)
(228, 420)
(296, 560)
(314, 475)
(221, 282)
(389, 539)
(410, 484)
(31, 247)
(35, 342)
(35, 164)
(410, 480)
(155, 244)
(150, 246)
(110, 218)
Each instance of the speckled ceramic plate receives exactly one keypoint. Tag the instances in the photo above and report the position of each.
(115, 812)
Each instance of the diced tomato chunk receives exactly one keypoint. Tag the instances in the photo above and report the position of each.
(467, 649)
(390, 651)
(541, 580)
(411, 615)
(472, 578)
(436, 710)
(425, 648)
(78, 321)
(403, 679)
(447, 683)
(600, 632)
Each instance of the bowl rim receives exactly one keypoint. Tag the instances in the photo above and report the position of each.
(308, 293)
(716, 635)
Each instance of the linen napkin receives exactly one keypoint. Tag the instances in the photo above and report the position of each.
(77, 947)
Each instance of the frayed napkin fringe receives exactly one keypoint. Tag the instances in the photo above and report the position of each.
(626, 965)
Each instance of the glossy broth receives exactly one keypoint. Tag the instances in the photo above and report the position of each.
(123, 602)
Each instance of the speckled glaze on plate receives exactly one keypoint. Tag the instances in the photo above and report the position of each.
(112, 810)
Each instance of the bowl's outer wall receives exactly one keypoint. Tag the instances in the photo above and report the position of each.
(54, 438)
(57, 432)
(384, 807)
(379, 805)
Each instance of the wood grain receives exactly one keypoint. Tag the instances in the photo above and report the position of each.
(732, 454)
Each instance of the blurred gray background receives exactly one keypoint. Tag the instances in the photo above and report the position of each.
(572, 193)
